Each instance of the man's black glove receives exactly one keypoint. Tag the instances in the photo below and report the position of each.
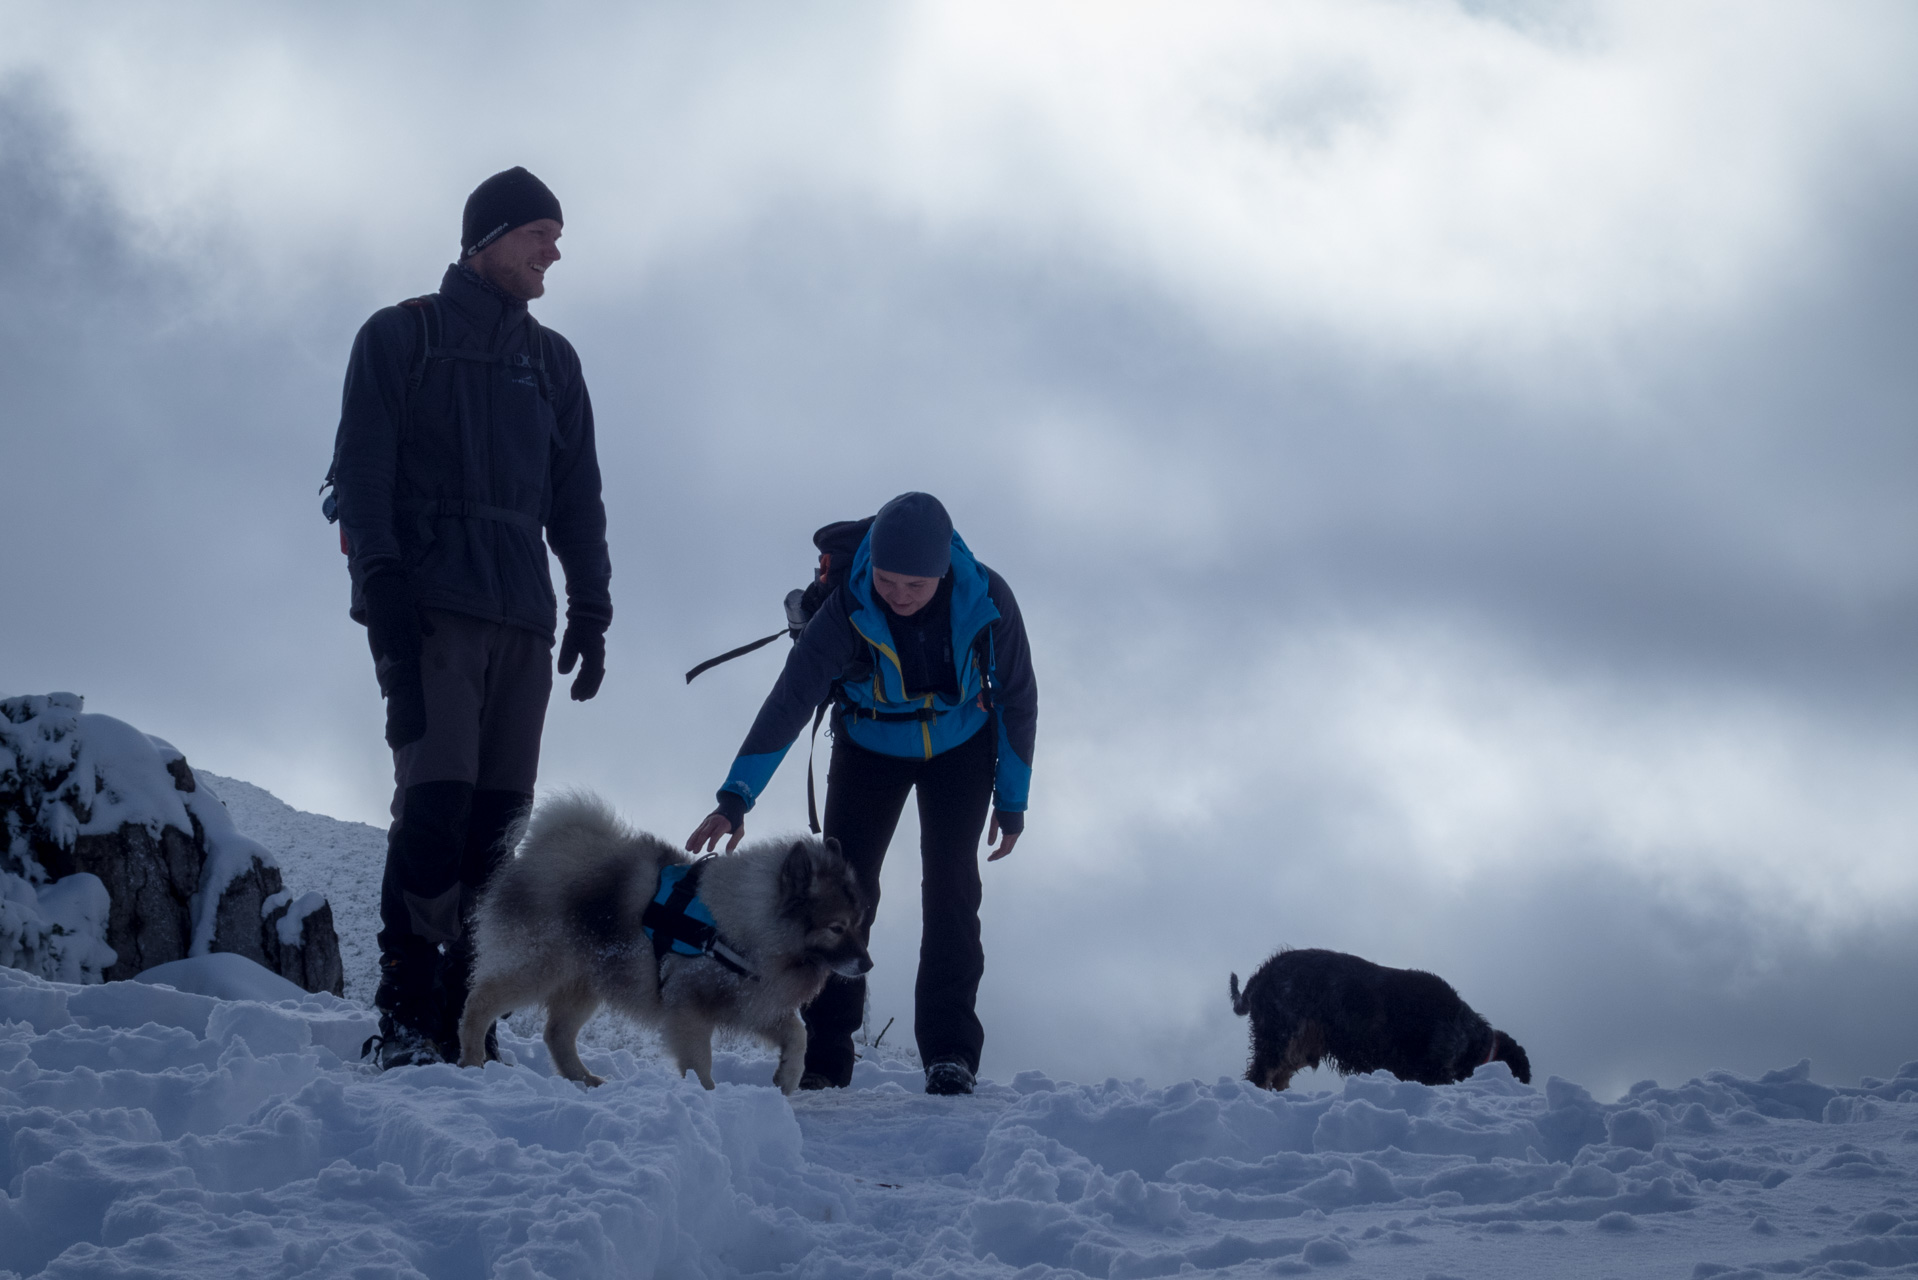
(584, 642)
(395, 628)
(405, 695)
(394, 624)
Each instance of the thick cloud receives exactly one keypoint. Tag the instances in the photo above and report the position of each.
(1456, 465)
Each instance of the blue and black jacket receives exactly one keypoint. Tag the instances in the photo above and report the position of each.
(847, 654)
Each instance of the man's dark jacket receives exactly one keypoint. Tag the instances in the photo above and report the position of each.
(454, 483)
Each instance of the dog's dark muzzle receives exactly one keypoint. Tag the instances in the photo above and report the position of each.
(848, 963)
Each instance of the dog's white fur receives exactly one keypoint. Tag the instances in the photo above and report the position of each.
(558, 925)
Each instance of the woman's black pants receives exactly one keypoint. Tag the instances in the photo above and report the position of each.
(865, 794)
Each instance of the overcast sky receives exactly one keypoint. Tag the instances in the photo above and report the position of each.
(1456, 460)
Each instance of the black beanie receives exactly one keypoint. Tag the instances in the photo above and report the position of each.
(508, 199)
(912, 535)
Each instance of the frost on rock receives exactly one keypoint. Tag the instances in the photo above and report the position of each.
(116, 858)
(289, 913)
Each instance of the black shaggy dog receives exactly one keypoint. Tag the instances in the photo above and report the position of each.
(1310, 1006)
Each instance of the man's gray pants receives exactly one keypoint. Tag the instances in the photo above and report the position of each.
(458, 789)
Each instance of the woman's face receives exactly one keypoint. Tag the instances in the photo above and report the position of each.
(904, 595)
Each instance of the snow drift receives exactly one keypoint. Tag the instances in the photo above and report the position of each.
(220, 1125)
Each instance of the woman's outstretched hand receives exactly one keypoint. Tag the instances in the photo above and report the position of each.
(710, 832)
(992, 838)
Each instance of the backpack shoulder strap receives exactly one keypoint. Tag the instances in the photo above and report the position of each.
(536, 339)
(426, 307)
(984, 653)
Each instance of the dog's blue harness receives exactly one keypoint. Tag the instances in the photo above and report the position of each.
(680, 924)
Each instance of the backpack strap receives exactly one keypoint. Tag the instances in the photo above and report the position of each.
(984, 653)
(730, 654)
(536, 339)
(459, 507)
(812, 804)
(432, 347)
(918, 715)
(427, 308)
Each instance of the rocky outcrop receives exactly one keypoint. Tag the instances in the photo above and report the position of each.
(90, 796)
(150, 882)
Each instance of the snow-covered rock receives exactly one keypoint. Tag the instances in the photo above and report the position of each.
(347, 858)
(116, 857)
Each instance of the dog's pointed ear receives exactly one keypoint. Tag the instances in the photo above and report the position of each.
(834, 847)
(795, 873)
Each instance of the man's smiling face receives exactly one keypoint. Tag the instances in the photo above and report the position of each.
(516, 262)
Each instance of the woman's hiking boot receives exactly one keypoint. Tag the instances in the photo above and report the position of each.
(949, 1077)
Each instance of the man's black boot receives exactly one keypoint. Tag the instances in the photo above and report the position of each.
(408, 1001)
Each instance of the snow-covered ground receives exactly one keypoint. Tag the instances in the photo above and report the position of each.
(221, 1125)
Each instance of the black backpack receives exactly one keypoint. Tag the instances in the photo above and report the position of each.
(427, 308)
(837, 543)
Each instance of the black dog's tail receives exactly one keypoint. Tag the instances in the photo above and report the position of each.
(1507, 1050)
(1239, 1005)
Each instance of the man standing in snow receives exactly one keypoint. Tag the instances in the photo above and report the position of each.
(465, 434)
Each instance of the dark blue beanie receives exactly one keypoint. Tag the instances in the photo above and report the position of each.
(508, 199)
(912, 535)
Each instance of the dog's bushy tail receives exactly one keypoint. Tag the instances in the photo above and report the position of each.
(1239, 1004)
(570, 810)
(515, 834)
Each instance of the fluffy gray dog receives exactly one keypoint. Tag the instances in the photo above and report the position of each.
(1309, 1006)
(565, 923)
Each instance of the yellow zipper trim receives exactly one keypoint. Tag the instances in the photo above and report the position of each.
(888, 652)
(925, 726)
